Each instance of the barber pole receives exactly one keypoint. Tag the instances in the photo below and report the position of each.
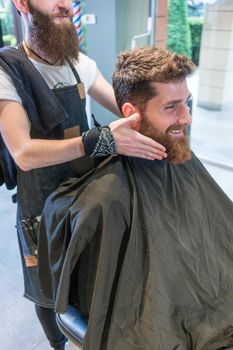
(77, 20)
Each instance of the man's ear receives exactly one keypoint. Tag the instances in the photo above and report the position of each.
(128, 109)
(21, 5)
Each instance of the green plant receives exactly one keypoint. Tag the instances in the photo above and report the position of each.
(196, 24)
(179, 36)
(9, 40)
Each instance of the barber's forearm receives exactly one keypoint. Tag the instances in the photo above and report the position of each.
(41, 153)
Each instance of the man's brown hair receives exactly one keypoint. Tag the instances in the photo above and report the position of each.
(136, 69)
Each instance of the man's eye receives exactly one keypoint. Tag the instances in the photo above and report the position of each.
(170, 106)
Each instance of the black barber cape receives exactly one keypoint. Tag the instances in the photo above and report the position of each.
(145, 251)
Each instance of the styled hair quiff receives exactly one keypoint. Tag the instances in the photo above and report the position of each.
(136, 69)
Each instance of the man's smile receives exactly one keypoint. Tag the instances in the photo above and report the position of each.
(176, 133)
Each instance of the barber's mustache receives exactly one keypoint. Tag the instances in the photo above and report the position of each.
(63, 13)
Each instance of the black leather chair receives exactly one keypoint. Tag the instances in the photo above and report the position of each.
(73, 325)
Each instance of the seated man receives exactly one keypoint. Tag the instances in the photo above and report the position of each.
(144, 249)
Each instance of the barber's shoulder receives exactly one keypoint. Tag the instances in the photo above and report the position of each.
(7, 88)
(87, 70)
(85, 61)
(8, 106)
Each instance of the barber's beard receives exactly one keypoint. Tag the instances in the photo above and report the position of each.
(53, 41)
(177, 148)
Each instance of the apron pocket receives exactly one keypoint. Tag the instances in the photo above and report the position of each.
(28, 234)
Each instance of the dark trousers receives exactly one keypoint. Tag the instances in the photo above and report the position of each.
(47, 319)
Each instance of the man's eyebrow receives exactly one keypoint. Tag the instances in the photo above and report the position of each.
(176, 101)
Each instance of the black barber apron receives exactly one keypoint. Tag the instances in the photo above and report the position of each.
(33, 187)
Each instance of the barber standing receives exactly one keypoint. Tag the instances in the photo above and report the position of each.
(43, 123)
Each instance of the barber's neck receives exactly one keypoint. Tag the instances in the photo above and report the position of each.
(35, 55)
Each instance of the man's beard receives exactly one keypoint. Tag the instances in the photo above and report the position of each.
(177, 148)
(50, 40)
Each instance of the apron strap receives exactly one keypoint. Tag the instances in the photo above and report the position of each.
(77, 77)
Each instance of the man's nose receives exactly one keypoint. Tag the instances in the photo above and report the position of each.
(184, 117)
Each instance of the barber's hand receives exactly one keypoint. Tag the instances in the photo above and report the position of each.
(131, 143)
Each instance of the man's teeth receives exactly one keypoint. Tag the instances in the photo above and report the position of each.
(176, 131)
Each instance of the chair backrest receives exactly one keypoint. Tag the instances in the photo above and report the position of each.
(73, 325)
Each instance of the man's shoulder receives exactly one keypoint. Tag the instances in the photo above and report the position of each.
(194, 163)
(103, 186)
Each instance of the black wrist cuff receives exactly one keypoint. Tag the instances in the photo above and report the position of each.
(90, 139)
(99, 142)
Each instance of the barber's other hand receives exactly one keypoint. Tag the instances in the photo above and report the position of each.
(131, 143)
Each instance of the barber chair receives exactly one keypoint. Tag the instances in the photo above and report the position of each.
(73, 325)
